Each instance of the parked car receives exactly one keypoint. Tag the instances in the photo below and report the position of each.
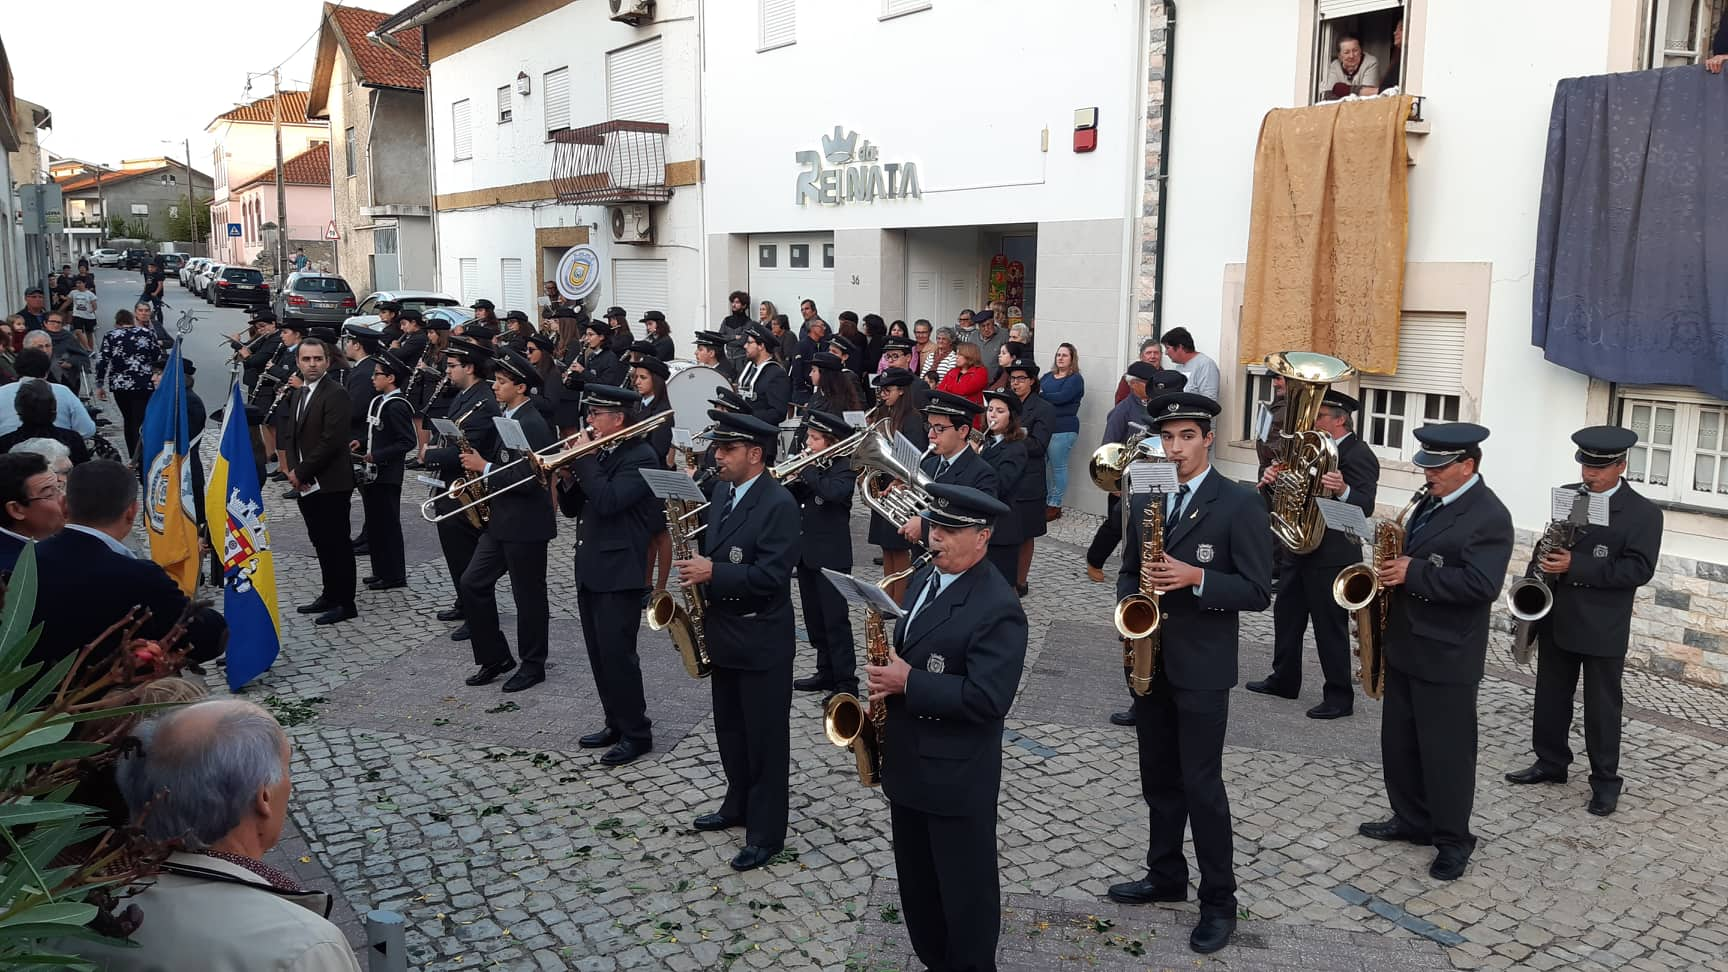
(421, 300)
(201, 283)
(136, 259)
(239, 285)
(311, 296)
(190, 270)
(171, 264)
(106, 258)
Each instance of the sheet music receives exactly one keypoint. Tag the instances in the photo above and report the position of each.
(446, 428)
(683, 438)
(425, 480)
(1598, 509)
(1345, 517)
(862, 593)
(906, 453)
(856, 419)
(1262, 422)
(1560, 506)
(670, 485)
(510, 433)
(1151, 477)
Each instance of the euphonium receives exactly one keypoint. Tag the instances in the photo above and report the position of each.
(1139, 616)
(1531, 597)
(1110, 462)
(686, 623)
(1357, 589)
(1304, 453)
(845, 720)
(878, 468)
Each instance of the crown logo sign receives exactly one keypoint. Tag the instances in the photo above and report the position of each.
(837, 149)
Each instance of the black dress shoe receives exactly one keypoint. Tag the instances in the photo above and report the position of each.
(292, 494)
(715, 821)
(489, 673)
(876, 560)
(278, 476)
(450, 614)
(1266, 686)
(1449, 864)
(1327, 710)
(811, 683)
(1123, 718)
(386, 585)
(1145, 891)
(318, 606)
(337, 615)
(1023, 589)
(1212, 933)
(1537, 773)
(525, 678)
(627, 751)
(598, 740)
(362, 550)
(1394, 829)
(753, 857)
(461, 634)
(1604, 799)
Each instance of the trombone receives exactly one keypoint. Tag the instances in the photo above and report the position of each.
(545, 464)
(789, 468)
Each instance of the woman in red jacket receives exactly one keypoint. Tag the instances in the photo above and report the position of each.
(968, 377)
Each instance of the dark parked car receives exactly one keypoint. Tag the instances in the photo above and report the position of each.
(240, 285)
(321, 297)
(137, 259)
(171, 264)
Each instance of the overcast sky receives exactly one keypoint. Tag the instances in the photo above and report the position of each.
(120, 77)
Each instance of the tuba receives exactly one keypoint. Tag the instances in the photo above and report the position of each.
(1139, 616)
(1531, 597)
(845, 720)
(1304, 454)
(1357, 589)
(686, 622)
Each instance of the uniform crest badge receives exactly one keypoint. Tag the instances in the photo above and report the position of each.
(1600, 552)
(735, 555)
(1173, 406)
(1203, 553)
(1437, 560)
(936, 665)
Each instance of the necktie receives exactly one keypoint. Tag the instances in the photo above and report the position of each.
(726, 511)
(924, 598)
(942, 467)
(1178, 502)
(1423, 514)
(305, 396)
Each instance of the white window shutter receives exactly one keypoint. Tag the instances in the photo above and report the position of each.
(894, 8)
(1430, 356)
(634, 88)
(513, 285)
(469, 268)
(640, 285)
(504, 112)
(1349, 8)
(779, 23)
(462, 130)
(556, 89)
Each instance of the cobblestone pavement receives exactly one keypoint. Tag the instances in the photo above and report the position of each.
(505, 846)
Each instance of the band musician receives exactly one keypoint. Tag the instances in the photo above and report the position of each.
(472, 409)
(824, 493)
(390, 437)
(763, 383)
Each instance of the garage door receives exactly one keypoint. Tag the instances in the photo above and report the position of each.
(790, 268)
(639, 286)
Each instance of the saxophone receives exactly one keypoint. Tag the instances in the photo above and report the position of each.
(1531, 597)
(844, 718)
(1357, 589)
(684, 622)
(1139, 616)
(466, 489)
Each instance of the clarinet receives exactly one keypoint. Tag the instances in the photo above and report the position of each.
(421, 369)
(281, 396)
(265, 375)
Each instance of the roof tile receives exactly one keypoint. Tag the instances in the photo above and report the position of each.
(309, 168)
(293, 110)
(378, 64)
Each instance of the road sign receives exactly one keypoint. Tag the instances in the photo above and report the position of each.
(234, 229)
(330, 232)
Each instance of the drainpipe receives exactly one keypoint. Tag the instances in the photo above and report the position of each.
(1164, 168)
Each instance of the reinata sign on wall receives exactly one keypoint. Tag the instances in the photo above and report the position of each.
(853, 174)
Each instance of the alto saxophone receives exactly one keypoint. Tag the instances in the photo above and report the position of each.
(845, 720)
(1139, 616)
(684, 622)
(1531, 597)
(470, 489)
(1357, 589)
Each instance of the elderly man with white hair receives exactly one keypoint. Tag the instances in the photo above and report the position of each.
(214, 776)
(33, 362)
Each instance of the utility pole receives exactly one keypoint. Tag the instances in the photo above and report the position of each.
(101, 209)
(191, 201)
(281, 188)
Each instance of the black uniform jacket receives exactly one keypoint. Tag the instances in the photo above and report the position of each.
(392, 438)
(524, 514)
(473, 409)
(602, 368)
(1438, 628)
(317, 438)
(261, 354)
(411, 348)
(1361, 469)
(1012, 465)
(750, 596)
(825, 496)
(358, 380)
(943, 751)
(967, 469)
(1592, 612)
(1036, 416)
(619, 514)
(769, 393)
(1224, 533)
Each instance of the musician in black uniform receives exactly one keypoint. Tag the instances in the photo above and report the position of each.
(515, 539)
(1457, 544)
(594, 363)
(897, 403)
(430, 390)
(1594, 583)
(1005, 451)
(951, 459)
(763, 383)
(410, 340)
(749, 548)
(1305, 580)
(1217, 563)
(824, 491)
(956, 663)
(389, 439)
(897, 353)
(360, 343)
(648, 376)
(472, 409)
(1126, 419)
(282, 376)
(619, 513)
(389, 325)
(1037, 417)
(257, 355)
(711, 351)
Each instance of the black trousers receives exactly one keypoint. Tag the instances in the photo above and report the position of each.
(132, 405)
(1108, 536)
(1304, 593)
(1005, 558)
(753, 730)
(1182, 779)
(383, 505)
(610, 621)
(950, 895)
(457, 538)
(525, 562)
(829, 626)
(326, 516)
(1428, 753)
(1557, 673)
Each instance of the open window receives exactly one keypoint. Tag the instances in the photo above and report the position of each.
(1681, 31)
(1365, 33)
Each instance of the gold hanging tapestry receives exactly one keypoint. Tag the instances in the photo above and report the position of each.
(1326, 233)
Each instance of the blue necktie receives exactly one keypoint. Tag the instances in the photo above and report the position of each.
(1178, 503)
(1423, 515)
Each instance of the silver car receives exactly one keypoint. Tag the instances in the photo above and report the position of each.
(311, 296)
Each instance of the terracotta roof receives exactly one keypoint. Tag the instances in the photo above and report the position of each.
(293, 110)
(309, 168)
(84, 181)
(377, 64)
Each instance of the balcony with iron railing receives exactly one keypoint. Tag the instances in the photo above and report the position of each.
(612, 162)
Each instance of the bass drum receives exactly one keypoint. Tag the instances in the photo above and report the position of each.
(688, 391)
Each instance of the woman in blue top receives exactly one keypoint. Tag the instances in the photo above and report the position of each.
(1063, 388)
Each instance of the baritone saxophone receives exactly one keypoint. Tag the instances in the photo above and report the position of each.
(1357, 589)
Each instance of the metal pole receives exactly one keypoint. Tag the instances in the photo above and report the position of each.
(281, 189)
(191, 202)
(386, 945)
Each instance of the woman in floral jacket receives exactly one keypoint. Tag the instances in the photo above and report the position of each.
(124, 367)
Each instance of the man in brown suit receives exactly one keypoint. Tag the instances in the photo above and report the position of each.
(320, 470)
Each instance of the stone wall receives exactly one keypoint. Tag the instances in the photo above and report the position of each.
(1146, 289)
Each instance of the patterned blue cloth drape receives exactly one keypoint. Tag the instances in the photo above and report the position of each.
(1631, 278)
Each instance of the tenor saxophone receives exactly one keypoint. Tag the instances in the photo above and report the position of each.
(686, 622)
(1357, 589)
(1531, 597)
(1139, 616)
(845, 720)
(470, 491)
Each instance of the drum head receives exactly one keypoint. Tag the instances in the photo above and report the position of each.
(688, 392)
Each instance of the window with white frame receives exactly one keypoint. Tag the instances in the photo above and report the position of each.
(513, 283)
(505, 114)
(635, 90)
(1257, 392)
(777, 24)
(462, 130)
(1682, 450)
(1371, 23)
(900, 8)
(348, 150)
(555, 89)
(1680, 31)
(468, 272)
(1427, 387)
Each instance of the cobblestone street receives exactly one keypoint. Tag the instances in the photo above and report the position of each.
(475, 815)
